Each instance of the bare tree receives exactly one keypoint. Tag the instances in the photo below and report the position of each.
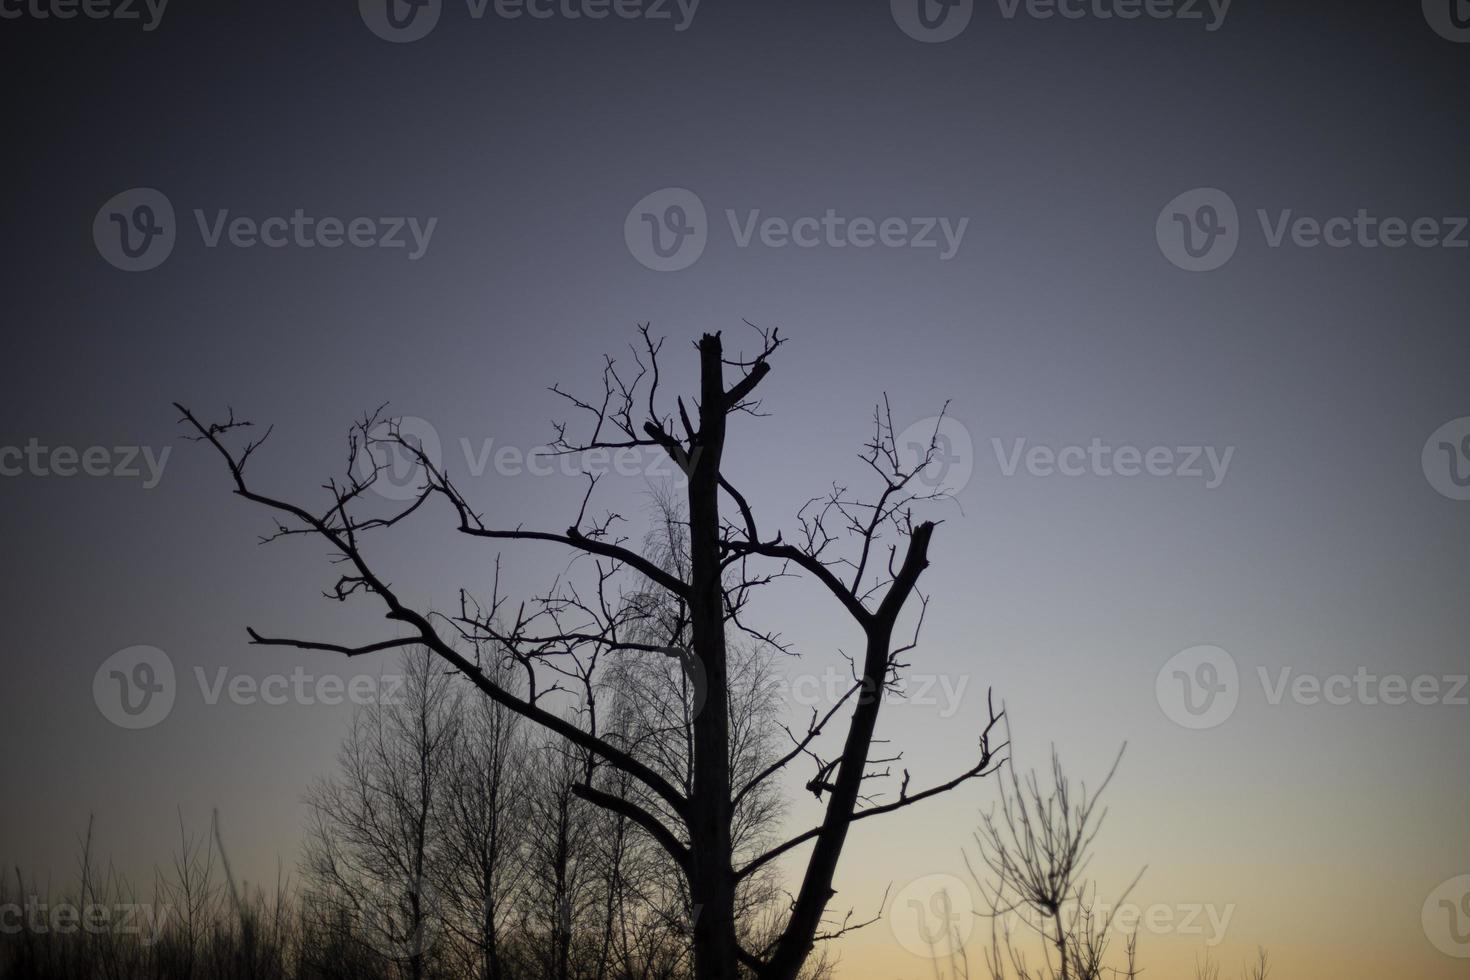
(657, 701)
(866, 552)
(646, 925)
(561, 898)
(482, 811)
(373, 836)
(1037, 845)
(1206, 968)
(190, 889)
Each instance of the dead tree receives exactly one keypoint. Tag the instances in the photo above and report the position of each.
(1037, 848)
(868, 553)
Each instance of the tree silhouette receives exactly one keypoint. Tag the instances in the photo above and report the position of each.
(867, 553)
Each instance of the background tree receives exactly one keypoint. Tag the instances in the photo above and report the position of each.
(374, 838)
(483, 812)
(1036, 845)
(562, 897)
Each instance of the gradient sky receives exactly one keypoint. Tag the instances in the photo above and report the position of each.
(1324, 550)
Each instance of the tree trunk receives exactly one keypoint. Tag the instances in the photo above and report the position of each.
(487, 934)
(796, 941)
(562, 931)
(1061, 943)
(712, 879)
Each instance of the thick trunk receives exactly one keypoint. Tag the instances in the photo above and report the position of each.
(712, 879)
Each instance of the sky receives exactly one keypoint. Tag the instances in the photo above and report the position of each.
(1192, 289)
